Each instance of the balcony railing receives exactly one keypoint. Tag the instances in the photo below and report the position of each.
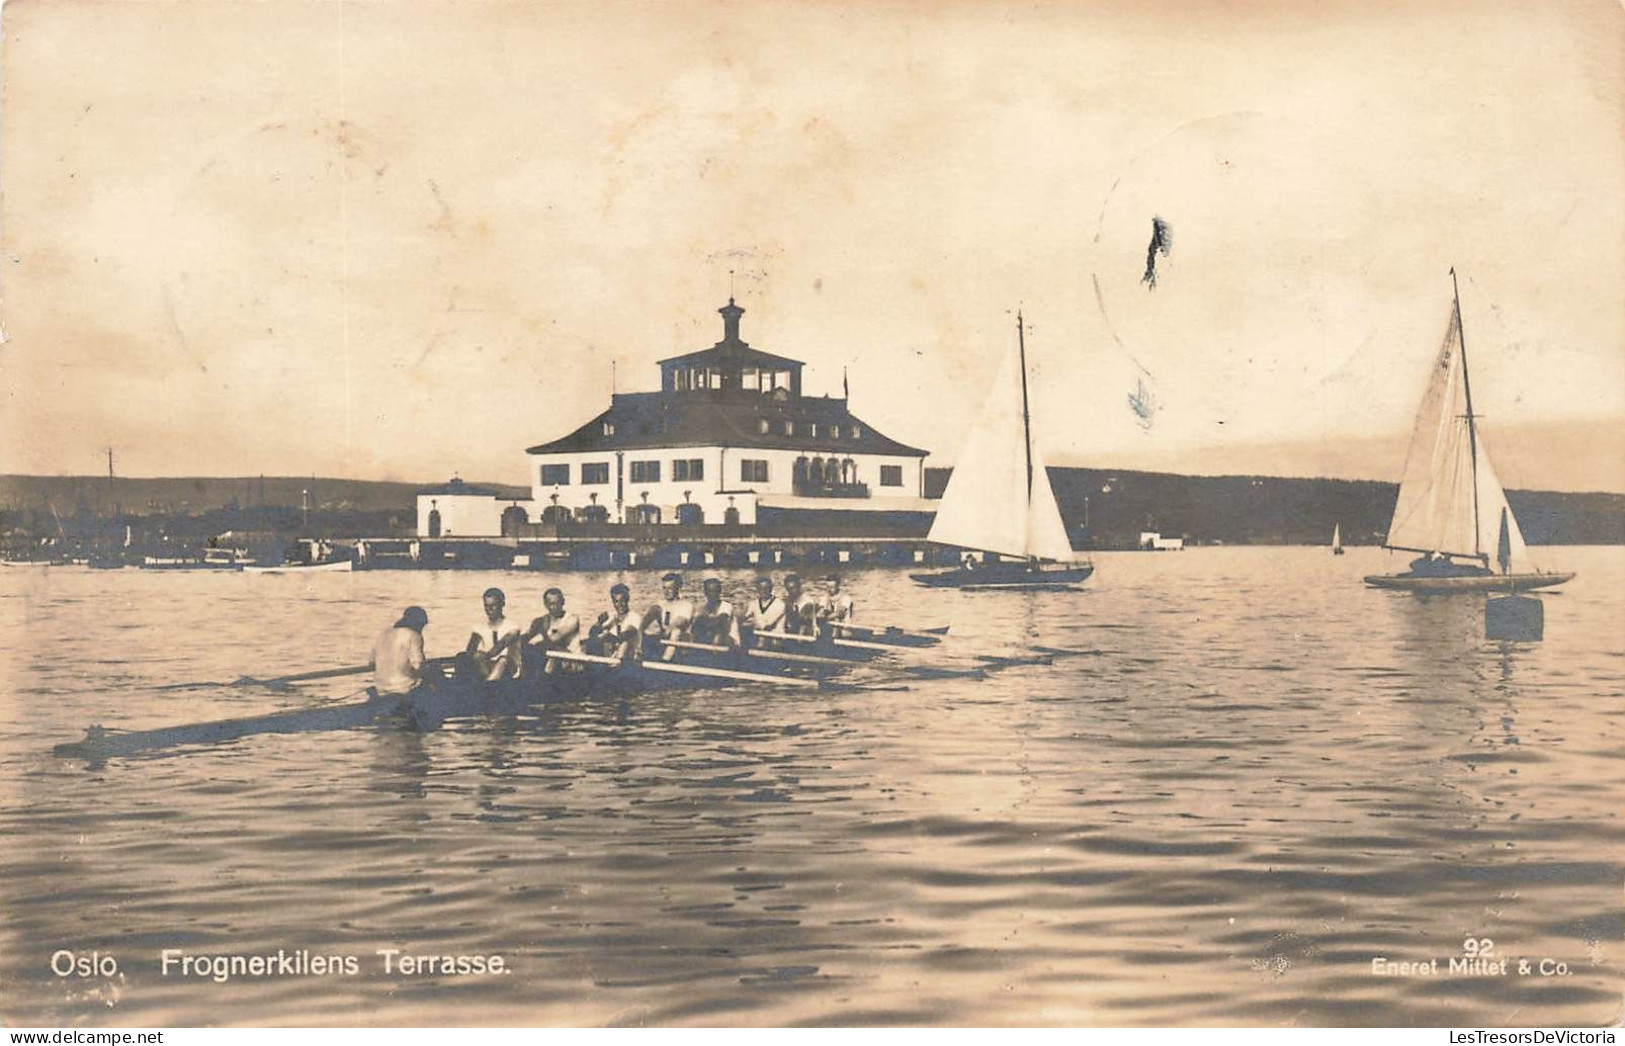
(809, 489)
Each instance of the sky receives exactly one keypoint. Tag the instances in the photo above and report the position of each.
(407, 240)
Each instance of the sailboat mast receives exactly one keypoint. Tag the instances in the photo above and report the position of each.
(1467, 390)
(1026, 413)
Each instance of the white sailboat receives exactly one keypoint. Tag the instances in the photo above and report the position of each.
(999, 499)
(1337, 539)
(1451, 506)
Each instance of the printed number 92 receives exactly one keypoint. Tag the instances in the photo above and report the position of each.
(1479, 947)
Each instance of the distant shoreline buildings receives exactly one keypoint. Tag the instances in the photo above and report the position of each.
(729, 438)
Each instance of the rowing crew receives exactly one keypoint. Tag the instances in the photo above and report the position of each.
(496, 646)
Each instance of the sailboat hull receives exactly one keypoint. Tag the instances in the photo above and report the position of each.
(1475, 583)
(1005, 577)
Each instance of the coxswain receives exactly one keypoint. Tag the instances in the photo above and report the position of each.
(800, 608)
(493, 646)
(714, 620)
(558, 630)
(615, 633)
(838, 606)
(397, 657)
(765, 613)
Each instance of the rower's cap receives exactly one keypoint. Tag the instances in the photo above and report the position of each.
(414, 617)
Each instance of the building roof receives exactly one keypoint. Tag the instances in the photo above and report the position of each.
(732, 352)
(731, 349)
(455, 487)
(649, 420)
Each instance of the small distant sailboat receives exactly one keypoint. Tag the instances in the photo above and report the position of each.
(1451, 506)
(1337, 539)
(999, 499)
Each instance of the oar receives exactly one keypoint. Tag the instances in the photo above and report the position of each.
(298, 677)
(771, 655)
(846, 644)
(685, 670)
(321, 673)
(933, 635)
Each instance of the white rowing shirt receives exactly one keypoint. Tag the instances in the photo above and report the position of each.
(839, 607)
(764, 617)
(397, 660)
(676, 618)
(559, 634)
(803, 616)
(490, 633)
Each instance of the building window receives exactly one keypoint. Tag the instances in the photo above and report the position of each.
(891, 475)
(835, 432)
(609, 428)
(857, 431)
(645, 472)
(684, 470)
(555, 475)
(751, 471)
(762, 426)
(789, 428)
(813, 430)
(595, 473)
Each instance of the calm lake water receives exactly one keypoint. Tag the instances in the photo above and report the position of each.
(1262, 776)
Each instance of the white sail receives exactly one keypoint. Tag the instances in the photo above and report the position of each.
(988, 505)
(1450, 500)
(1337, 535)
(1492, 500)
(1046, 533)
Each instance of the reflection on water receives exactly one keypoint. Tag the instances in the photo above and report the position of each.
(1259, 777)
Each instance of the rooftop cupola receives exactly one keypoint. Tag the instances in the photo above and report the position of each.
(731, 367)
(730, 321)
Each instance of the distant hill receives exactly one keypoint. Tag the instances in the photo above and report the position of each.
(1118, 504)
(1263, 510)
(192, 496)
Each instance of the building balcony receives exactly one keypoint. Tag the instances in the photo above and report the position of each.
(809, 489)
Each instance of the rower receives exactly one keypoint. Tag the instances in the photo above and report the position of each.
(556, 630)
(490, 643)
(615, 633)
(800, 609)
(672, 617)
(838, 606)
(397, 657)
(714, 621)
(765, 613)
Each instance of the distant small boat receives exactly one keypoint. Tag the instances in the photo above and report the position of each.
(212, 559)
(1337, 539)
(1451, 507)
(335, 566)
(999, 500)
(303, 557)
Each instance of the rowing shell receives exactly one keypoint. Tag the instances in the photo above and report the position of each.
(429, 705)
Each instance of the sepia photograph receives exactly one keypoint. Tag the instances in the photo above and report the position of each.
(813, 513)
